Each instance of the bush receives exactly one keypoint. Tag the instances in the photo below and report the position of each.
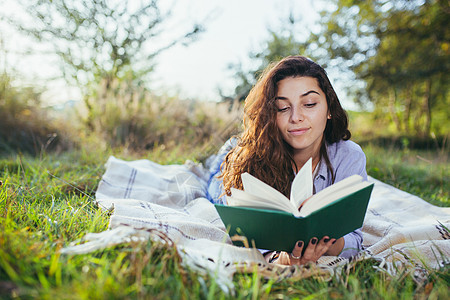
(124, 115)
(24, 125)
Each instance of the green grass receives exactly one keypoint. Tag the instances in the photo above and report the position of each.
(422, 173)
(45, 203)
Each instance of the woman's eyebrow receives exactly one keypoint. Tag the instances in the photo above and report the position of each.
(281, 98)
(302, 95)
(310, 92)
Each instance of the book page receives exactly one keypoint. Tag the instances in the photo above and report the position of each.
(316, 203)
(256, 187)
(245, 199)
(330, 190)
(302, 186)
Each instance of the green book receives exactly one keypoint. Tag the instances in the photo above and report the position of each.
(272, 221)
(279, 230)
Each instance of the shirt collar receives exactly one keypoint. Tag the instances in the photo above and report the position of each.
(322, 170)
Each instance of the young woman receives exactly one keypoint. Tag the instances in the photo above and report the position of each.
(291, 115)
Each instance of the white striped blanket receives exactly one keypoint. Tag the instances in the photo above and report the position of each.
(151, 200)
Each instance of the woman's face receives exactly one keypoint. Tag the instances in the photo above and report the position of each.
(302, 114)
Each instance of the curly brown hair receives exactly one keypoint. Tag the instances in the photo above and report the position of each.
(261, 149)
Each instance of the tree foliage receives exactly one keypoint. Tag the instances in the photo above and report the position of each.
(99, 39)
(397, 53)
(281, 43)
(102, 42)
(400, 50)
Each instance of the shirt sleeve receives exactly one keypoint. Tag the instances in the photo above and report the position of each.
(215, 188)
(352, 244)
(350, 160)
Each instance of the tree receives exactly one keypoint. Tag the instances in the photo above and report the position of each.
(400, 50)
(281, 43)
(391, 54)
(105, 45)
(102, 39)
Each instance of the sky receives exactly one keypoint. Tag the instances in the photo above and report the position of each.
(233, 29)
(236, 28)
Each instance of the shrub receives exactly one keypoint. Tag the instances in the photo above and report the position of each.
(124, 115)
(24, 125)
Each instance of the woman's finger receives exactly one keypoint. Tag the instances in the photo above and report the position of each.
(296, 254)
(309, 254)
(301, 255)
(323, 245)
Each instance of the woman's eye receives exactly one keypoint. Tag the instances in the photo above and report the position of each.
(282, 109)
(310, 104)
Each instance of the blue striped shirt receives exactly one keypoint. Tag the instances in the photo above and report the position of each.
(346, 158)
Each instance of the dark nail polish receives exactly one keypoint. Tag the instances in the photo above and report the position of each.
(300, 244)
(334, 242)
(326, 240)
(314, 241)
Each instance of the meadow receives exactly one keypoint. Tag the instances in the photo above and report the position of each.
(48, 184)
(46, 202)
(51, 162)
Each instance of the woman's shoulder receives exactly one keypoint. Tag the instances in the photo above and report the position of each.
(347, 158)
(344, 148)
(214, 161)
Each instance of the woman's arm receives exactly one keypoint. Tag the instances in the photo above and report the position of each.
(214, 192)
(352, 244)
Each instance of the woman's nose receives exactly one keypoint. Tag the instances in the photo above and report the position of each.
(297, 115)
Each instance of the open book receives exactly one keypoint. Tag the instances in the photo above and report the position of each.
(272, 221)
(302, 202)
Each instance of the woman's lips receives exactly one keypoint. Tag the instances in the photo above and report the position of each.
(298, 131)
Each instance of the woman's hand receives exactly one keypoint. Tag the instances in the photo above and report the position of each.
(312, 253)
